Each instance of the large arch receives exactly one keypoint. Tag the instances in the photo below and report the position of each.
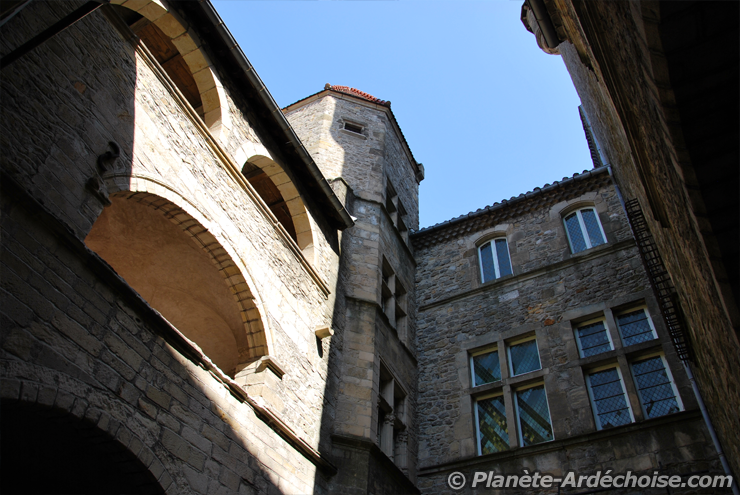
(211, 93)
(167, 253)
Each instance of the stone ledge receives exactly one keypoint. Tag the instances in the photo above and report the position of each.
(555, 445)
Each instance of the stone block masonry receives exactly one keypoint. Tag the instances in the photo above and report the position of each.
(549, 294)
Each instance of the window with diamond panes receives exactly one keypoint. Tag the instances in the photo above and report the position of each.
(485, 367)
(658, 395)
(584, 230)
(635, 326)
(608, 399)
(593, 338)
(490, 421)
(533, 415)
(494, 260)
(524, 357)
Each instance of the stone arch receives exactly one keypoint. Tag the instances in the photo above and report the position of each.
(61, 403)
(215, 112)
(264, 174)
(254, 339)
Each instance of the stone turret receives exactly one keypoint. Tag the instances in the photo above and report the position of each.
(355, 140)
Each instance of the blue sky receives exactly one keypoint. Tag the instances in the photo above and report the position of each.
(482, 107)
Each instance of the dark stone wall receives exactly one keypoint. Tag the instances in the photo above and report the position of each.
(659, 84)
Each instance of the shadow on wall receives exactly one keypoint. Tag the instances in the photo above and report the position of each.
(98, 392)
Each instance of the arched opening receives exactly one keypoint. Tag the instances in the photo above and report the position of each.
(271, 195)
(181, 57)
(166, 53)
(281, 196)
(186, 281)
(47, 450)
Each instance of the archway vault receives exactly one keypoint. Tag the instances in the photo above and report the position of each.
(253, 339)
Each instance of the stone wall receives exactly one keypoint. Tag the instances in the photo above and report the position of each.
(372, 339)
(550, 291)
(78, 339)
(635, 96)
(62, 105)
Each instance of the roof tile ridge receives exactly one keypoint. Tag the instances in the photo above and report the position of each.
(514, 199)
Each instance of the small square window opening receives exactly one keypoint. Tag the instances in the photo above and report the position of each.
(593, 338)
(485, 367)
(524, 357)
(635, 326)
(357, 129)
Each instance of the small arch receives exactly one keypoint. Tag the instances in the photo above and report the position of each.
(564, 207)
(144, 237)
(179, 53)
(501, 230)
(49, 450)
(282, 197)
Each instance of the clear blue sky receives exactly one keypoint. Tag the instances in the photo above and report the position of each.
(482, 107)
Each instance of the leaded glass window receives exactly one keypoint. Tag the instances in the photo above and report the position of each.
(524, 357)
(493, 435)
(610, 404)
(584, 230)
(635, 327)
(593, 338)
(534, 416)
(655, 387)
(494, 260)
(486, 367)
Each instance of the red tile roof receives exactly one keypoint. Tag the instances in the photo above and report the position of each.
(359, 94)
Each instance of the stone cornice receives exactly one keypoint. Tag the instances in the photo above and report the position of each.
(500, 212)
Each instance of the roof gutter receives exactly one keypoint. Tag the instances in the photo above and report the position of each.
(274, 109)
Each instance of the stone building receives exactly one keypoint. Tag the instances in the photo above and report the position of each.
(658, 83)
(539, 335)
(188, 306)
(205, 293)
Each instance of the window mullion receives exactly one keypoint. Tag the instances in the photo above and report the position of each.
(494, 255)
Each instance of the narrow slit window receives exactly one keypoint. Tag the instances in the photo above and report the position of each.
(608, 399)
(494, 260)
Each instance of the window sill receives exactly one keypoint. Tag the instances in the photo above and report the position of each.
(353, 134)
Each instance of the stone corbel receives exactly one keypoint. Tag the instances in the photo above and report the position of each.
(260, 365)
(261, 385)
(324, 332)
(95, 184)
